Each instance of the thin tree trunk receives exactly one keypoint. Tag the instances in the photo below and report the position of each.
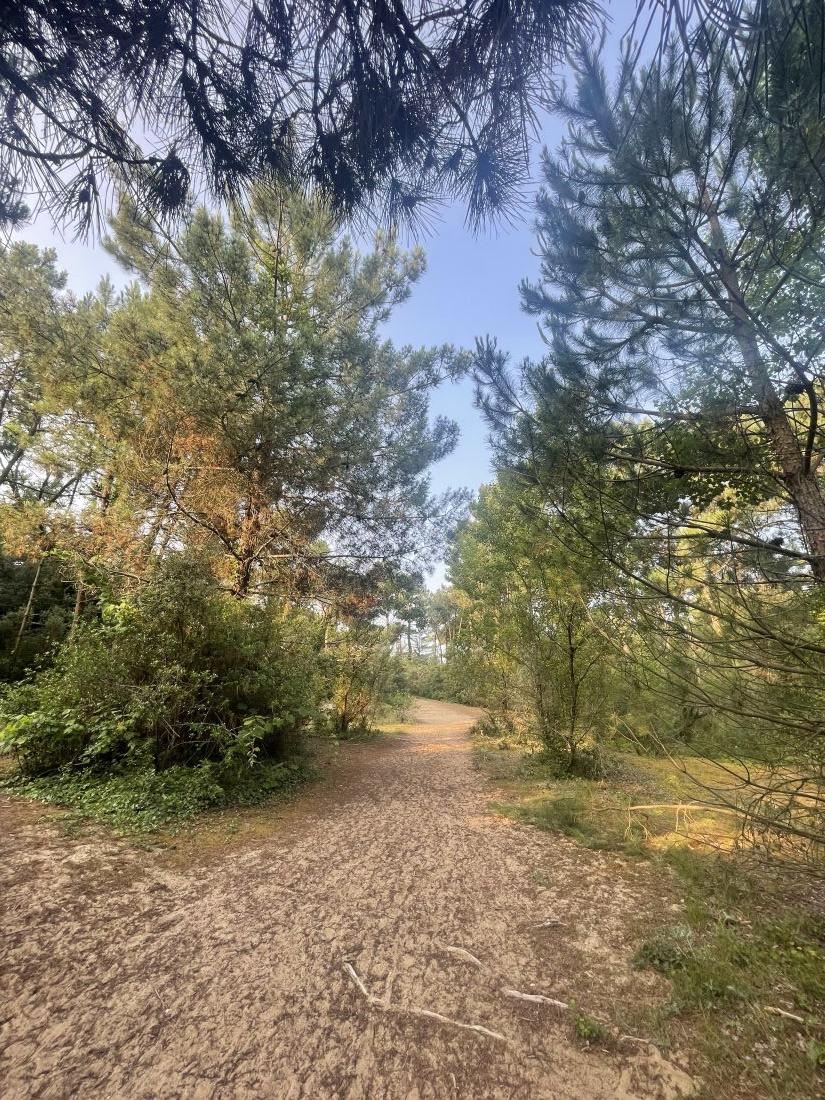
(799, 479)
(78, 607)
(574, 691)
(106, 490)
(246, 554)
(28, 607)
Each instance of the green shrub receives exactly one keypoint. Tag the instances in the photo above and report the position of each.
(494, 724)
(588, 1030)
(587, 762)
(671, 950)
(180, 675)
(141, 799)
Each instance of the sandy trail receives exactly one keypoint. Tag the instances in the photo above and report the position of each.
(125, 976)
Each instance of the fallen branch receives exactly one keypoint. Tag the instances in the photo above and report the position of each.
(350, 969)
(785, 1015)
(454, 1023)
(427, 1013)
(535, 998)
(682, 806)
(636, 1039)
(460, 953)
(162, 1005)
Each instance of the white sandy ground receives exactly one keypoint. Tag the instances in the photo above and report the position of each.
(127, 975)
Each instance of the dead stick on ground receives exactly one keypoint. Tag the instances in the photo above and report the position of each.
(460, 953)
(388, 989)
(785, 1015)
(479, 1029)
(351, 971)
(535, 998)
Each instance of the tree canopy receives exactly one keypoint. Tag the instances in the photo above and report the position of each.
(381, 106)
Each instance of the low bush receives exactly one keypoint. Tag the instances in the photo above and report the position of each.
(140, 800)
(180, 682)
(494, 725)
(587, 762)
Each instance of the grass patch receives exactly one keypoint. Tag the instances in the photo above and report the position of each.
(589, 1031)
(360, 735)
(143, 801)
(742, 957)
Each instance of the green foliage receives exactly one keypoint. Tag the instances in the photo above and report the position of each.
(494, 725)
(177, 463)
(710, 962)
(49, 617)
(589, 1030)
(179, 674)
(532, 633)
(367, 675)
(668, 951)
(566, 814)
(386, 110)
(141, 799)
(659, 506)
(588, 762)
(432, 679)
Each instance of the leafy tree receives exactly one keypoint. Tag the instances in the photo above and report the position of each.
(673, 428)
(386, 104)
(534, 623)
(222, 469)
(240, 402)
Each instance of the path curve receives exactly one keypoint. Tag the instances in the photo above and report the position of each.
(124, 976)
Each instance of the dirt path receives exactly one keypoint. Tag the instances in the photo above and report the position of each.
(125, 976)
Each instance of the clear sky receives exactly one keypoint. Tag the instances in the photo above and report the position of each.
(470, 289)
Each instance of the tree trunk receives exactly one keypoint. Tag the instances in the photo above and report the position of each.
(800, 480)
(246, 554)
(574, 691)
(28, 608)
(78, 607)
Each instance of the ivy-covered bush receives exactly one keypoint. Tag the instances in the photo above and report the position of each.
(179, 675)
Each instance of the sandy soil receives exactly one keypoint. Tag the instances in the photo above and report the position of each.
(128, 973)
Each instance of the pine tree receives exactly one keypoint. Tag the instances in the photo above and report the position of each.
(680, 298)
(379, 105)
